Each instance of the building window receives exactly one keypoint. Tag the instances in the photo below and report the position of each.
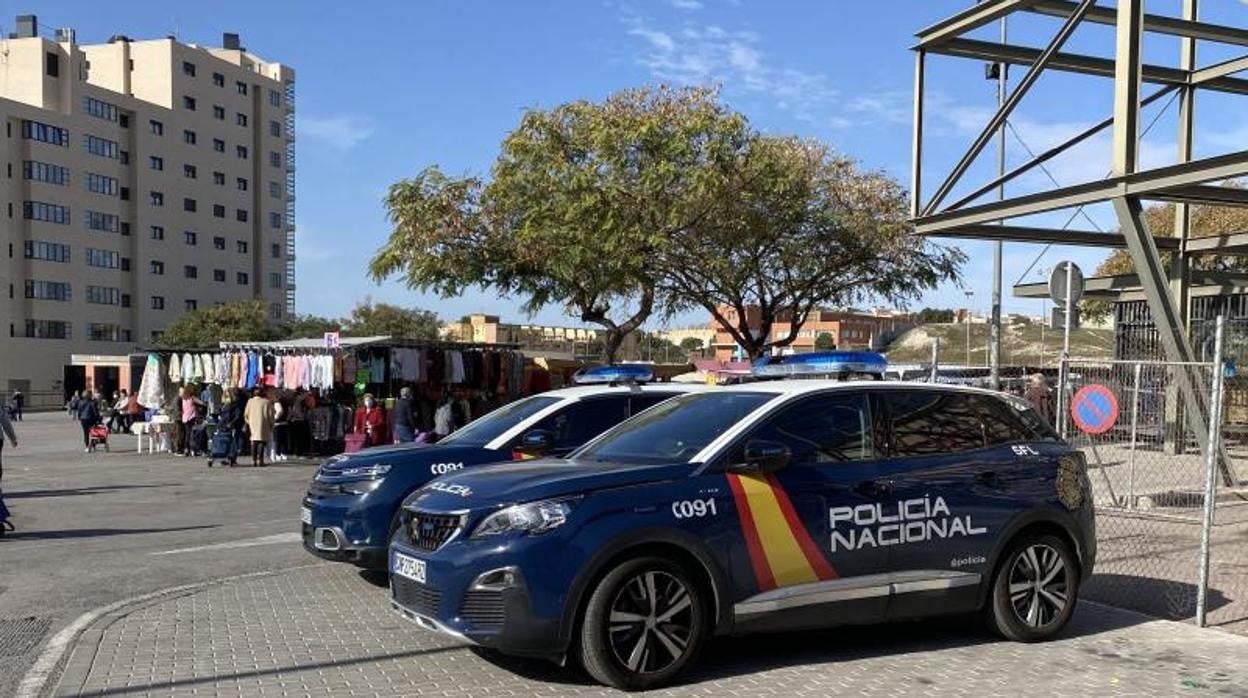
(158, 232)
(190, 205)
(241, 183)
(47, 290)
(106, 332)
(124, 156)
(243, 279)
(52, 65)
(156, 162)
(40, 211)
(218, 145)
(218, 210)
(218, 112)
(218, 242)
(188, 103)
(218, 178)
(156, 198)
(36, 131)
(47, 251)
(103, 295)
(188, 68)
(190, 238)
(241, 151)
(275, 250)
(218, 79)
(99, 109)
(242, 87)
(275, 129)
(158, 302)
(242, 247)
(275, 159)
(189, 172)
(275, 190)
(192, 305)
(104, 259)
(188, 137)
(218, 275)
(275, 220)
(123, 120)
(157, 268)
(240, 119)
(275, 280)
(241, 215)
(47, 329)
(275, 98)
(157, 128)
(46, 172)
(100, 146)
(103, 222)
(190, 271)
(100, 184)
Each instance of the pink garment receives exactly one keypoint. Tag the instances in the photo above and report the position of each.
(188, 410)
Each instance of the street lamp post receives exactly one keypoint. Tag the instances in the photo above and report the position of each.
(967, 319)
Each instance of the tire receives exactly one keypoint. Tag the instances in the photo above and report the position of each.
(1034, 612)
(638, 652)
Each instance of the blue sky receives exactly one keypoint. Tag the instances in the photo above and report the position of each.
(387, 88)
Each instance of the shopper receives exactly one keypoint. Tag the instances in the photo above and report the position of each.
(443, 419)
(370, 420)
(117, 415)
(87, 412)
(405, 426)
(71, 407)
(19, 401)
(259, 417)
(133, 411)
(188, 412)
(1040, 396)
(232, 421)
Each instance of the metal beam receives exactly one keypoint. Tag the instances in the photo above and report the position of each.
(1217, 70)
(1128, 58)
(916, 136)
(1159, 24)
(1052, 152)
(1114, 286)
(1205, 195)
(969, 19)
(1140, 184)
(1015, 233)
(1079, 63)
(1232, 244)
(1006, 107)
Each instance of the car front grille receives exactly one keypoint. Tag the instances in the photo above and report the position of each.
(483, 608)
(430, 531)
(415, 596)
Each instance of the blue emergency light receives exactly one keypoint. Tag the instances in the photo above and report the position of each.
(823, 363)
(622, 373)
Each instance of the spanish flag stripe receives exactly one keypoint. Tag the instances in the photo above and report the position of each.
(758, 560)
(784, 555)
(818, 562)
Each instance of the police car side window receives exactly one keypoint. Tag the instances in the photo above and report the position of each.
(928, 422)
(1001, 422)
(643, 402)
(585, 419)
(834, 428)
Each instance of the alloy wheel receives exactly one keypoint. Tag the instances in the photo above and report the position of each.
(651, 622)
(1037, 586)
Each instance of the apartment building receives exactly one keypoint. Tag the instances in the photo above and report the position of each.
(550, 340)
(141, 179)
(846, 329)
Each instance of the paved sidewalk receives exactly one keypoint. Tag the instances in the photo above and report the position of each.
(325, 630)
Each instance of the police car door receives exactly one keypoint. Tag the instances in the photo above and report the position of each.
(945, 497)
(797, 571)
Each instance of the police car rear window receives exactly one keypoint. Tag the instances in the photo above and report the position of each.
(674, 431)
(492, 425)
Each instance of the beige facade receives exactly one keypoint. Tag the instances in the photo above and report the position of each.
(555, 340)
(140, 179)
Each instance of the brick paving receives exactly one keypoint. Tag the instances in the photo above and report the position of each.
(325, 630)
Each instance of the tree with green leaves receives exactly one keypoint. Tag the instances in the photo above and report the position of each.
(238, 321)
(369, 319)
(929, 316)
(581, 200)
(692, 345)
(798, 227)
(825, 341)
(305, 326)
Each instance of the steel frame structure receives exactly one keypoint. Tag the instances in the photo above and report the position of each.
(1188, 183)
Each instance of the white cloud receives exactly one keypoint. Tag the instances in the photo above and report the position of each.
(687, 5)
(341, 131)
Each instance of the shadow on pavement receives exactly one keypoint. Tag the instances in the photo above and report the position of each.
(78, 491)
(1160, 598)
(165, 687)
(377, 578)
(94, 532)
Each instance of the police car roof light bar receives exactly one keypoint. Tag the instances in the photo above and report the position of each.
(635, 374)
(823, 363)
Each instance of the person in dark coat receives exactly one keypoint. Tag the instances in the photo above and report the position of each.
(88, 414)
(405, 426)
(1040, 396)
(19, 401)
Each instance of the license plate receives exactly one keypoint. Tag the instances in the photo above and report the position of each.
(305, 515)
(410, 567)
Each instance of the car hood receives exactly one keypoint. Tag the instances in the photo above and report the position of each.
(404, 455)
(509, 483)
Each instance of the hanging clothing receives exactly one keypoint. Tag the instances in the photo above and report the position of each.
(175, 368)
(152, 386)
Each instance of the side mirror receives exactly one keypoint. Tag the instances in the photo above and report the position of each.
(762, 457)
(537, 442)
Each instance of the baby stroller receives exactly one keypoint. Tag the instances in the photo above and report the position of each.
(97, 436)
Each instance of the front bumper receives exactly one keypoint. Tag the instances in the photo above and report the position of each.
(339, 533)
(501, 617)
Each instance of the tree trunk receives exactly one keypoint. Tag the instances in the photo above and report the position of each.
(611, 341)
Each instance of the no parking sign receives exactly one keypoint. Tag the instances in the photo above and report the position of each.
(1094, 409)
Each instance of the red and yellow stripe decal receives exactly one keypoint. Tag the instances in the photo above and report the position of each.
(781, 550)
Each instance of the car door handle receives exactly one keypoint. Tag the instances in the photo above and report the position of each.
(873, 488)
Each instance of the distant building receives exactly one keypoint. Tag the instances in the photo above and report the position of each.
(705, 335)
(847, 329)
(551, 340)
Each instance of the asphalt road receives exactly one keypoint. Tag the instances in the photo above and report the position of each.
(98, 528)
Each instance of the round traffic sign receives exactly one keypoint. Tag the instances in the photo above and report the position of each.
(1057, 283)
(1094, 409)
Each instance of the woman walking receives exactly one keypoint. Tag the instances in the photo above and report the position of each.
(259, 416)
(88, 414)
(370, 420)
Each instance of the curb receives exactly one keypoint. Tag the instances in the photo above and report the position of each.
(58, 653)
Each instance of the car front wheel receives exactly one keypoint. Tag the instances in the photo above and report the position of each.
(643, 623)
(1035, 589)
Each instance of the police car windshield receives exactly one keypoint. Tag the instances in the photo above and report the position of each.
(492, 425)
(675, 430)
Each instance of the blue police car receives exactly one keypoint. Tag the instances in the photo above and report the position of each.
(351, 508)
(758, 507)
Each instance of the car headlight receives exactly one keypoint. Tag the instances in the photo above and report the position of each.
(533, 518)
(359, 472)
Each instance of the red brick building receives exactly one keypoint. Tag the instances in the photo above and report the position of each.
(848, 329)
